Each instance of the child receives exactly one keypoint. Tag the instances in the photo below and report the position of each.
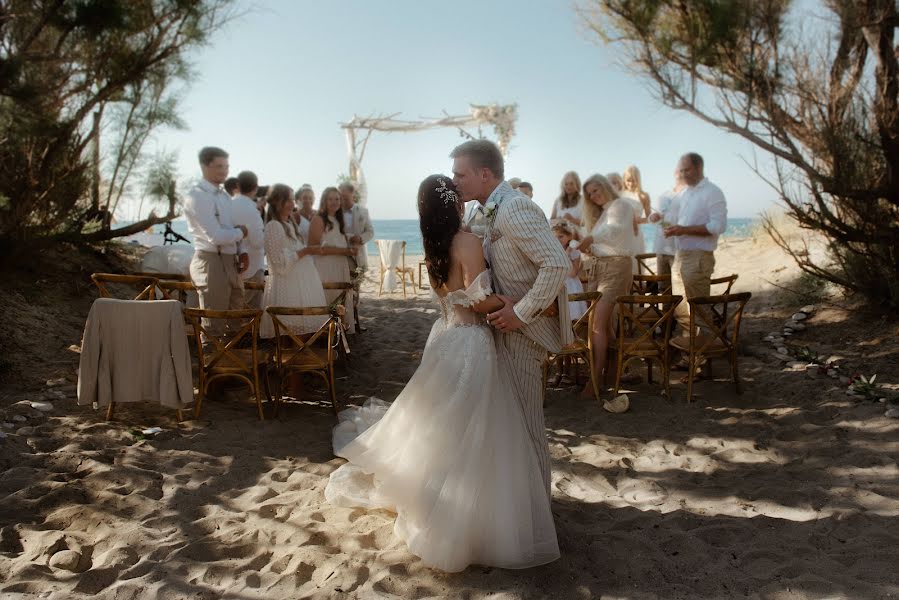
(567, 235)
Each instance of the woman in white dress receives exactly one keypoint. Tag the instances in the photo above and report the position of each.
(292, 278)
(610, 220)
(331, 260)
(568, 205)
(305, 211)
(639, 201)
(452, 455)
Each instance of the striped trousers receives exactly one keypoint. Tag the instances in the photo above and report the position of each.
(523, 360)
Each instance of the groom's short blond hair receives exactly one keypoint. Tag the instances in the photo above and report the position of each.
(484, 154)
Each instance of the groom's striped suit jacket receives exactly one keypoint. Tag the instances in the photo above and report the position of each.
(528, 262)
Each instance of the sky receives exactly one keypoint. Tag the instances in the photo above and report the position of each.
(272, 86)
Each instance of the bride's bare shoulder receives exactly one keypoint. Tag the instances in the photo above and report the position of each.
(466, 243)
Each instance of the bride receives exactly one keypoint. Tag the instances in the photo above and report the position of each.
(451, 456)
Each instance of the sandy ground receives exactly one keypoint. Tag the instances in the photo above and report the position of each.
(790, 490)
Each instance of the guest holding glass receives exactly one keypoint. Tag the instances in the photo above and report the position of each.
(326, 232)
(293, 280)
(610, 221)
(665, 214)
(568, 205)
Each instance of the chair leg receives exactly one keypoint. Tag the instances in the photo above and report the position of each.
(258, 393)
(201, 392)
(691, 366)
(404, 285)
(591, 373)
(619, 370)
(109, 410)
(280, 392)
(666, 376)
(331, 388)
(180, 415)
(381, 284)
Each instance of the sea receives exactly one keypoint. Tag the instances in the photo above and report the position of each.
(407, 229)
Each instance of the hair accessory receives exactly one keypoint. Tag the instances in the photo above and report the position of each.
(447, 195)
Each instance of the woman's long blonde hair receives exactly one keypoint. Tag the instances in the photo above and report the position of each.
(592, 212)
(277, 195)
(564, 200)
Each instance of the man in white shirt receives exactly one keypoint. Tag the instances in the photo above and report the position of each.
(244, 212)
(359, 232)
(665, 213)
(217, 262)
(701, 218)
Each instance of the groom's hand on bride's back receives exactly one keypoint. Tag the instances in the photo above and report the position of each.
(505, 318)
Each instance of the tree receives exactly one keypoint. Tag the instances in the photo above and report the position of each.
(820, 96)
(69, 69)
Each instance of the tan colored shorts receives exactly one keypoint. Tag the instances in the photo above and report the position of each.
(613, 276)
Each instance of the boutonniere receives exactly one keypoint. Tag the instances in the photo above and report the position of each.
(490, 211)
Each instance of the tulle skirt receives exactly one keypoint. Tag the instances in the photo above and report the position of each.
(452, 457)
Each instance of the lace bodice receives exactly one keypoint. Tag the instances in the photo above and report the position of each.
(456, 305)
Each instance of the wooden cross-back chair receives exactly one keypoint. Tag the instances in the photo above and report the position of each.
(340, 300)
(224, 358)
(311, 354)
(720, 318)
(582, 347)
(643, 267)
(727, 281)
(402, 271)
(651, 284)
(644, 331)
(147, 286)
(163, 276)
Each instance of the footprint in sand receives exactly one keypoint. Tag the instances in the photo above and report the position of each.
(641, 492)
(594, 490)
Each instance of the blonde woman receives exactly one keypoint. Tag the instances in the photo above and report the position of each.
(568, 205)
(610, 221)
(633, 193)
(293, 280)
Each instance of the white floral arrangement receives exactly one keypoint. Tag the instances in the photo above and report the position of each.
(490, 211)
(502, 117)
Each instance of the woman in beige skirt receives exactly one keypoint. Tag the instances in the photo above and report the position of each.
(332, 251)
(610, 223)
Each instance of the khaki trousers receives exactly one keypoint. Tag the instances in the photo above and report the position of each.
(690, 277)
(253, 298)
(664, 263)
(218, 284)
(523, 360)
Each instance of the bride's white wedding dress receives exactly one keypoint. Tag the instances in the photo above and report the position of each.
(451, 456)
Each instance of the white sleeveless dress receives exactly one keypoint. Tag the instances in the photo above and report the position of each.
(452, 455)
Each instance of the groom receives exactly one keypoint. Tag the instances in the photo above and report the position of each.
(529, 268)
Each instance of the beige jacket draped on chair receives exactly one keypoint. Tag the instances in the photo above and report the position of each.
(135, 351)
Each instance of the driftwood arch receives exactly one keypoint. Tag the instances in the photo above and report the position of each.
(359, 130)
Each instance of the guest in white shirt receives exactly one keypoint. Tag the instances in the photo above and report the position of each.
(474, 219)
(665, 214)
(610, 220)
(701, 218)
(217, 262)
(568, 205)
(359, 232)
(305, 211)
(244, 212)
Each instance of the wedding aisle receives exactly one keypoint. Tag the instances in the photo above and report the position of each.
(785, 492)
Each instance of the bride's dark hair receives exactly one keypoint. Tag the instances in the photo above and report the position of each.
(440, 220)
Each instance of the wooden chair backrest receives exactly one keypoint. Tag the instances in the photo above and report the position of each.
(223, 351)
(720, 315)
(288, 341)
(176, 289)
(728, 281)
(381, 250)
(638, 322)
(651, 284)
(585, 319)
(163, 276)
(146, 285)
(643, 267)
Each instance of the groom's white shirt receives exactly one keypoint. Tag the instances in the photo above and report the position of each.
(528, 262)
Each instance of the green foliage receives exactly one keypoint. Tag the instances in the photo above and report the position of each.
(66, 63)
(820, 96)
